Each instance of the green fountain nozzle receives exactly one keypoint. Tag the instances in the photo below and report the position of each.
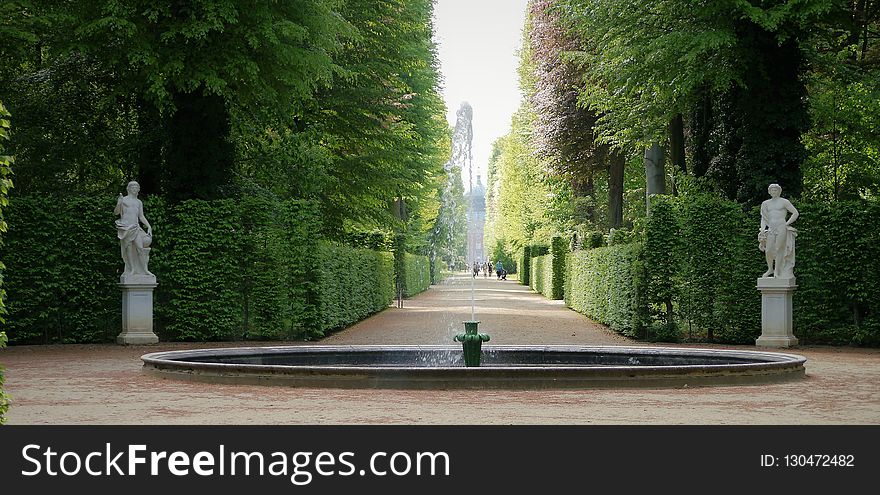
(471, 343)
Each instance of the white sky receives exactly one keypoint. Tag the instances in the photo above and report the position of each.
(477, 42)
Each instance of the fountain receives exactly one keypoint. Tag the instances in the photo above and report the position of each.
(503, 366)
(472, 366)
(471, 343)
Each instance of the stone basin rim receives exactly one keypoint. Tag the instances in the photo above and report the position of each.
(767, 367)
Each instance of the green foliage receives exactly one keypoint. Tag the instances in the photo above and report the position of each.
(838, 273)
(704, 266)
(4, 397)
(519, 213)
(201, 275)
(525, 264)
(353, 284)
(62, 265)
(417, 274)
(547, 271)
(5, 185)
(559, 253)
(662, 251)
(719, 264)
(537, 277)
(608, 285)
(500, 253)
(382, 117)
(844, 151)
(227, 270)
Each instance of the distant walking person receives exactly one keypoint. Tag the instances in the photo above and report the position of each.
(488, 268)
(498, 269)
(476, 269)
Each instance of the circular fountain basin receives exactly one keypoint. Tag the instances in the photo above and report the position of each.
(508, 367)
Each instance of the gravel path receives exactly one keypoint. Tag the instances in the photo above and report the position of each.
(104, 384)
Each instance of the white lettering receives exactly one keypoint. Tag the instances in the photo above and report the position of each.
(24, 453)
(134, 460)
(176, 461)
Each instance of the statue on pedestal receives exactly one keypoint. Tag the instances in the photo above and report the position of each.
(133, 241)
(776, 236)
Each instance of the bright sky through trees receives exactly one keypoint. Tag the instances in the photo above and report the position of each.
(477, 47)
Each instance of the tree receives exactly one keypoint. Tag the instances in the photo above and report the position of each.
(648, 61)
(201, 62)
(564, 129)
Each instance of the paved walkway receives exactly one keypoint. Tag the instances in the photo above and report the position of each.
(104, 384)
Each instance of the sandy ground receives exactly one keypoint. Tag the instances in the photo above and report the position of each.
(104, 384)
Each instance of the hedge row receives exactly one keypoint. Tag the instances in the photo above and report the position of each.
(227, 270)
(838, 273)
(697, 269)
(547, 272)
(524, 260)
(353, 284)
(417, 270)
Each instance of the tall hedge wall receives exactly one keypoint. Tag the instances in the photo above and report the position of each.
(62, 266)
(524, 261)
(227, 270)
(353, 284)
(838, 273)
(528, 253)
(536, 273)
(607, 284)
(698, 267)
(547, 271)
(417, 274)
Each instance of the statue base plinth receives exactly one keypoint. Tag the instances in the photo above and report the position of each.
(777, 296)
(137, 311)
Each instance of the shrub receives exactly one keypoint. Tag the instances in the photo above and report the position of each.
(559, 253)
(700, 263)
(417, 274)
(838, 273)
(353, 283)
(253, 268)
(608, 285)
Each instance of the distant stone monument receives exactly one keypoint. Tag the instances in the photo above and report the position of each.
(776, 238)
(136, 281)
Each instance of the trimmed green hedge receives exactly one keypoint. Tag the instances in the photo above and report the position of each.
(547, 271)
(838, 273)
(227, 269)
(524, 261)
(699, 265)
(536, 273)
(607, 284)
(417, 274)
(353, 284)
(62, 266)
(440, 271)
(528, 253)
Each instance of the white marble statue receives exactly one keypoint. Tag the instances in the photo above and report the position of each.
(134, 242)
(776, 236)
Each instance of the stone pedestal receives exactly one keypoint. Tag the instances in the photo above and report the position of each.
(776, 304)
(137, 311)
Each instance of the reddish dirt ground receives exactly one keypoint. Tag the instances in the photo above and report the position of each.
(105, 384)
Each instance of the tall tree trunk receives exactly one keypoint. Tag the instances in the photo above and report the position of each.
(616, 166)
(655, 174)
(200, 153)
(676, 148)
